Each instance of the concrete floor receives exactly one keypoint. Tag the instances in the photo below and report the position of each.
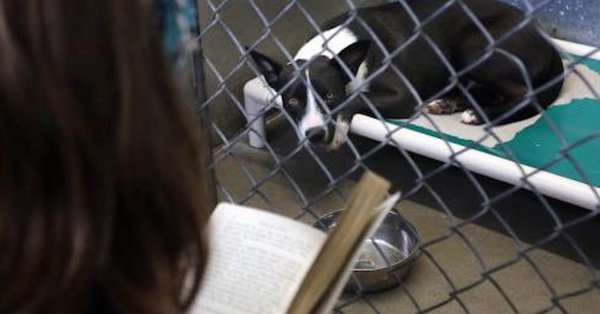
(428, 284)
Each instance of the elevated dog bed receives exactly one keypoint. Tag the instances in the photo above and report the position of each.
(558, 153)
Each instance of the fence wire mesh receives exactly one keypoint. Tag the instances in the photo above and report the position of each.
(487, 247)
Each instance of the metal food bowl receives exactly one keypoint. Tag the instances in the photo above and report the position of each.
(396, 239)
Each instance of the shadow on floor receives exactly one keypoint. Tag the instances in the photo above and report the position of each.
(450, 191)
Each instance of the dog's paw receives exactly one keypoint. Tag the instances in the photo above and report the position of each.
(340, 136)
(470, 117)
(440, 106)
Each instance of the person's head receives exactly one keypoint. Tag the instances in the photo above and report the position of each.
(101, 204)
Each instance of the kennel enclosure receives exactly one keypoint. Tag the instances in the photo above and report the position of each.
(488, 247)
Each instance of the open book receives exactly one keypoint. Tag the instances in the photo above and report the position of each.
(261, 262)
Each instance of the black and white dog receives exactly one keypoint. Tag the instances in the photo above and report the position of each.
(497, 58)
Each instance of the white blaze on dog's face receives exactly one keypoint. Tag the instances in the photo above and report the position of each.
(309, 98)
(313, 119)
(313, 125)
(320, 86)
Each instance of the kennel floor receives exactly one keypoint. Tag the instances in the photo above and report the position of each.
(426, 282)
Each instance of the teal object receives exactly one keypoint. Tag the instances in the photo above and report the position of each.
(171, 33)
(538, 146)
(592, 64)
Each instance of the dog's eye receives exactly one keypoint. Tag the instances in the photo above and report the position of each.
(293, 102)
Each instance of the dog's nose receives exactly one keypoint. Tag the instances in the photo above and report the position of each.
(315, 135)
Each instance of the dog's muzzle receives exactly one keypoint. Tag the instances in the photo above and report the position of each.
(321, 134)
(316, 135)
(332, 135)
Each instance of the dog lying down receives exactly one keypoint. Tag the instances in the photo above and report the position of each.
(349, 70)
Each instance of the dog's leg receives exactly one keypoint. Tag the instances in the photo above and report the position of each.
(451, 103)
(498, 83)
(494, 102)
(387, 103)
(340, 136)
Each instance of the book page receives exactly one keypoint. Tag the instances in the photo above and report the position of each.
(257, 261)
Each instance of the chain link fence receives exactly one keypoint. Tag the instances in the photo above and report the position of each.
(487, 246)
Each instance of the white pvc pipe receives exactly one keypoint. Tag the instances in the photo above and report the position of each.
(257, 96)
(577, 49)
(482, 163)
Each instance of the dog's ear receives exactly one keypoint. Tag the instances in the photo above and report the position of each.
(269, 68)
(353, 55)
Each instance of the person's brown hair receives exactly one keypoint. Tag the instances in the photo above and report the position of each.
(101, 205)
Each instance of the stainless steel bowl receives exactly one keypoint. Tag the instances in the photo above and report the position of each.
(386, 258)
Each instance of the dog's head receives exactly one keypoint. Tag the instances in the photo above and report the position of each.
(321, 84)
